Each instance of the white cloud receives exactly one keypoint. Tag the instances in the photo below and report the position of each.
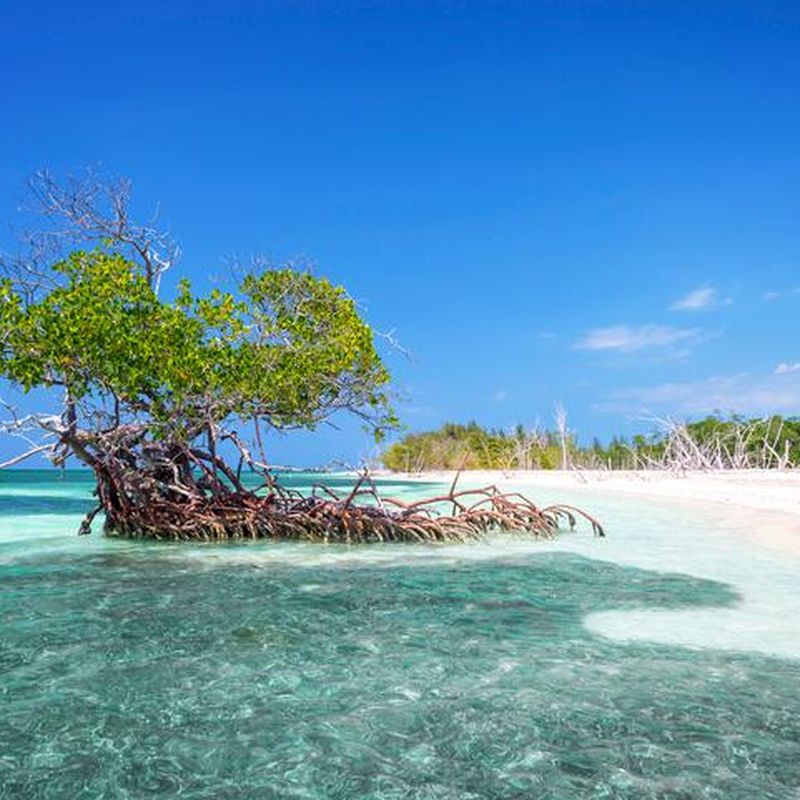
(784, 368)
(700, 298)
(500, 395)
(630, 338)
(744, 392)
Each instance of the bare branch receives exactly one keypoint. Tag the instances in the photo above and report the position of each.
(22, 457)
(89, 209)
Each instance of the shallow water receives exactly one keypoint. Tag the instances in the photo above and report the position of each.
(662, 662)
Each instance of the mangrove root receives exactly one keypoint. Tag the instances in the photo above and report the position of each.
(362, 515)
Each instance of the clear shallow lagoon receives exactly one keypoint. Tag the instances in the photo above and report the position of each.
(663, 662)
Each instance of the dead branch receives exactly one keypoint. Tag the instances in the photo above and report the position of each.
(85, 209)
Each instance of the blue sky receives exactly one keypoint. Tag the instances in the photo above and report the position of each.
(589, 203)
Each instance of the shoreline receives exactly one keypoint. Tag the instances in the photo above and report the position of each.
(766, 502)
(756, 490)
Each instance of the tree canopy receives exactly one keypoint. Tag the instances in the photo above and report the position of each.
(286, 348)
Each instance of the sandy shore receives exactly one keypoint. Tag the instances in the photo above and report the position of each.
(767, 502)
(757, 490)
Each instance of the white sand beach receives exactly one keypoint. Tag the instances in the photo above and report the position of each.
(750, 495)
(756, 490)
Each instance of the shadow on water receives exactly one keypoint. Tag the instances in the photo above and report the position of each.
(128, 677)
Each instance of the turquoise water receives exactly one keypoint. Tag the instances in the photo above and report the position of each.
(663, 662)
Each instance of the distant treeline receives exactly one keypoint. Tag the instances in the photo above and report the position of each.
(711, 443)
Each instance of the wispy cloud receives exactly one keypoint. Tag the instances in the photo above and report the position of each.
(500, 395)
(785, 368)
(774, 294)
(633, 338)
(703, 297)
(744, 392)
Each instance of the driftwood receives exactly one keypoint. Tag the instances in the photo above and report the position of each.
(362, 515)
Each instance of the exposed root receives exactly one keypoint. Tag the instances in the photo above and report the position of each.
(363, 515)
